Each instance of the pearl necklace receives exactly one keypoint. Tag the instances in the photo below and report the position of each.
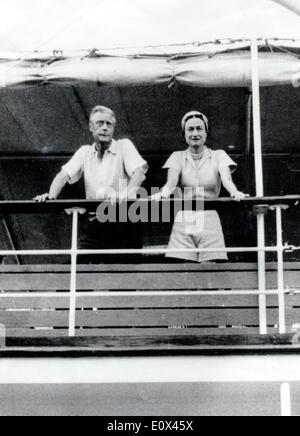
(198, 156)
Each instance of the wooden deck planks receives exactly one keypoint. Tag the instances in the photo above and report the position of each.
(35, 318)
(138, 278)
(131, 281)
(158, 317)
(138, 332)
(146, 267)
(144, 281)
(140, 315)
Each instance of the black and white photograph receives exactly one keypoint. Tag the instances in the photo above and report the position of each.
(150, 210)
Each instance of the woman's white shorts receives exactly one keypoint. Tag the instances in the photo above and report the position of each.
(203, 231)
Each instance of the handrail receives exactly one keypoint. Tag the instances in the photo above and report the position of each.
(274, 204)
(57, 206)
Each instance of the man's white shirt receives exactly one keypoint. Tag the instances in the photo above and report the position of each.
(113, 171)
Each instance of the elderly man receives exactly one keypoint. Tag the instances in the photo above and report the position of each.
(112, 170)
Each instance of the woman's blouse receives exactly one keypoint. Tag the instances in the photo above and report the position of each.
(204, 174)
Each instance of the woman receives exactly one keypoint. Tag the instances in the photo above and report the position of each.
(201, 170)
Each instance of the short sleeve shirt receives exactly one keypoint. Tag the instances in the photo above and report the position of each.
(206, 175)
(114, 170)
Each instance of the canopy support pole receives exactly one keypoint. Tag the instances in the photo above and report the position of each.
(259, 185)
(248, 160)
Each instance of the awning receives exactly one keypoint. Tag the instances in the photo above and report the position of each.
(222, 64)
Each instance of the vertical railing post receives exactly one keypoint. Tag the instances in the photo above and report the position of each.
(259, 185)
(286, 403)
(280, 267)
(73, 281)
(262, 274)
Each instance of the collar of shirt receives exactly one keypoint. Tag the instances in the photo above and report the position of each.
(207, 155)
(112, 149)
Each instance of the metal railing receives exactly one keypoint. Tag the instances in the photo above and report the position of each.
(261, 206)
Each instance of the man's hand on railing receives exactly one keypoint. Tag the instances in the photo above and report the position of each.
(42, 198)
(239, 196)
(107, 194)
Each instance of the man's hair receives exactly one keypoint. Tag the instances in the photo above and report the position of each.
(103, 110)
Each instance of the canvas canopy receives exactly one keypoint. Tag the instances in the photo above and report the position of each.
(39, 43)
(222, 64)
(46, 100)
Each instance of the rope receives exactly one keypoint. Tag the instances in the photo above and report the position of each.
(86, 51)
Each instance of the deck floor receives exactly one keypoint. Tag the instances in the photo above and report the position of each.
(173, 386)
(179, 399)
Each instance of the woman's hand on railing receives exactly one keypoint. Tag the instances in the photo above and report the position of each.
(164, 194)
(42, 198)
(156, 197)
(239, 196)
